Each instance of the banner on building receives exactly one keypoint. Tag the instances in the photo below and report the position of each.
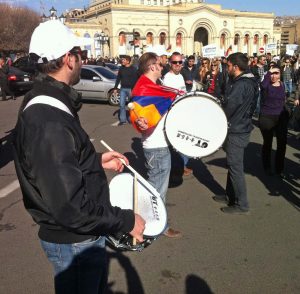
(291, 48)
(210, 51)
(271, 46)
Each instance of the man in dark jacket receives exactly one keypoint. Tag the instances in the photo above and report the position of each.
(4, 69)
(240, 102)
(189, 73)
(127, 76)
(61, 176)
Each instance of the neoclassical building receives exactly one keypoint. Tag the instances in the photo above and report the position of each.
(177, 25)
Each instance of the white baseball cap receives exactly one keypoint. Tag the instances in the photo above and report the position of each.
(52, 39)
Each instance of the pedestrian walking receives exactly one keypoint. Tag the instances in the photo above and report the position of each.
(127, 76)
(4, 87)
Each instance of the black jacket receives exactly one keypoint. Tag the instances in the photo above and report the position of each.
(63, 183)
(189, 75)
(240, 102)
(128, 76)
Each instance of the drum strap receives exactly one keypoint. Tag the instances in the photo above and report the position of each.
(43, 99)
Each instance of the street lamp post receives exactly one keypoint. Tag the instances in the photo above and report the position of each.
(102, 40)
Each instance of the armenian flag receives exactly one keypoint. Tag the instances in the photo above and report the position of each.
(151, 101)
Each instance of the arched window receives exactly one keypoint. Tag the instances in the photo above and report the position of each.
(149, 38)
(87, 47)
(136, 40)
(162, 38)
(178, 40)
(265, 39)
(222, 40)
(236, 39)
(246, 39)
(122, 39)
(256, 39)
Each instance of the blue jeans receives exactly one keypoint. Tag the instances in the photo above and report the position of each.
(79, 268)
(124, 93)
(158, 163)
(236, 190)
(288, 86)
(257, 110)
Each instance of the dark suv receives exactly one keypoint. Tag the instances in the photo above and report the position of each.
(25, 64)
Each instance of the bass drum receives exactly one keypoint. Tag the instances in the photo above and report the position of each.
(150, 207)
(196, 125)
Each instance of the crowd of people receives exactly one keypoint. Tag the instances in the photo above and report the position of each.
(63, 181)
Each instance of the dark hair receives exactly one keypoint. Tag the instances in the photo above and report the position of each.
(145, 60)
(239, 59)
(128, 58)
(191, 57)
(175, 54)
(277, 67)
(51, 66)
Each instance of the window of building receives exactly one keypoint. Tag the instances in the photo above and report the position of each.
(236, 39)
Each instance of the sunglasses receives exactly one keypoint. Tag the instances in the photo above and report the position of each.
(176, 62)
(214, 65)
(78, 51)
(275, 73)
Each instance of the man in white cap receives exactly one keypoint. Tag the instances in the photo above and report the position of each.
(61, 176)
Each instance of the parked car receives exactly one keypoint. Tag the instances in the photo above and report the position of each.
(97, 83)
(18, 80)
(25, 64)
(113, 67)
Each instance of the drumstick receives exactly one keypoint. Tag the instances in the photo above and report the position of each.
(139, 177)
(135, 202)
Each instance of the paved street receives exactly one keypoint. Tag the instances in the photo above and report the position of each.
(223, 254)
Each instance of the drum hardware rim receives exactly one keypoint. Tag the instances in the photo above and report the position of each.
(196, 94)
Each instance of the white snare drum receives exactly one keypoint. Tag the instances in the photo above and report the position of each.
(196, 125)
(150, 207)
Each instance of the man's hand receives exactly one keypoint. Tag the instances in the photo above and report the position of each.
(296, 102)
(189, 82)
(142, 123)
(115, 91)
(138, 229)
(110, 160)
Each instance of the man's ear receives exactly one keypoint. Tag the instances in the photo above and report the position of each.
(68, 60)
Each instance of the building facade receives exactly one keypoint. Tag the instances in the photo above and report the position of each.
(136, 26)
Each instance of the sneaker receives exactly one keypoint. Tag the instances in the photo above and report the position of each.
(122, 123)
(222, 198)
(234, 210)
(170, 233)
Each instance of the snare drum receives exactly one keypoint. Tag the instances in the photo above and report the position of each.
(150, 207)
(196, 125)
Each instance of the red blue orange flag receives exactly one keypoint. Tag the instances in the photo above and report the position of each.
(151, 101)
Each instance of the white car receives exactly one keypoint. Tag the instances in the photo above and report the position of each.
(97, 83)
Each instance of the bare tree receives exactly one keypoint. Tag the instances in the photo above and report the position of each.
(16, 27)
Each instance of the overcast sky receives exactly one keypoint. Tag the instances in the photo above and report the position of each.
(279, 7)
